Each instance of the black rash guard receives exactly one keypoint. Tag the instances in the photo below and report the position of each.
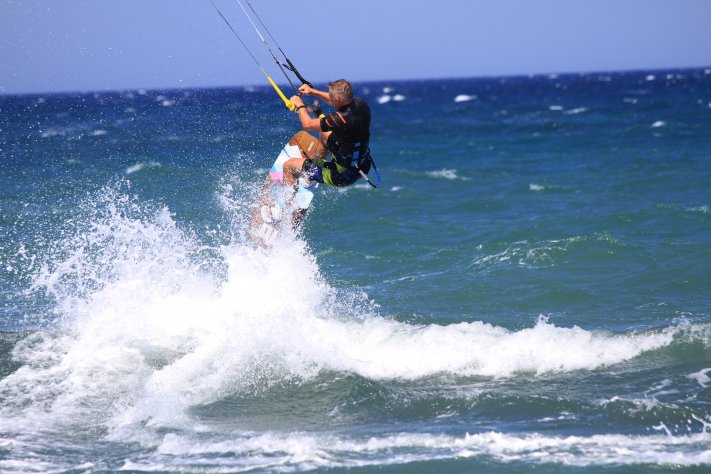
(351, 134)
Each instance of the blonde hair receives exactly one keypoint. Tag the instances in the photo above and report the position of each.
(341, 88)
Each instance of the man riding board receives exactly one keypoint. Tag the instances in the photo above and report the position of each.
(345, 133)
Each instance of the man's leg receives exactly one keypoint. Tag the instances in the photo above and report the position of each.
(292, 170)
(323, 137)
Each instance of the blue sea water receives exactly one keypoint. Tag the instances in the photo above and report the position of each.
(529, 289)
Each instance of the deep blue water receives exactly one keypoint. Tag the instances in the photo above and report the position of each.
(529, 289)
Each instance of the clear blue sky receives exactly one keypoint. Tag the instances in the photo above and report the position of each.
(87, 45)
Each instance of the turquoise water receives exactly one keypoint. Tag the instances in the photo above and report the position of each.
(528, 290)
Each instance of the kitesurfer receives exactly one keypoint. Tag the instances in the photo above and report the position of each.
(345, 134)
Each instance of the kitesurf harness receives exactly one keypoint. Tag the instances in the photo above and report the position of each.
(360, 159)
(362, 154)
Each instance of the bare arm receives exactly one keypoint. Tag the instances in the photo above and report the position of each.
(307, 122)
(308, 90)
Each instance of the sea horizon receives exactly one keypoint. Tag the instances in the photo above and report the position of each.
(263, 86)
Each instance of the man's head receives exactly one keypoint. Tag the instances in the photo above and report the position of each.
(340, 92)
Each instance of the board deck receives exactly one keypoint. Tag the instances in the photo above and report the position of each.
(278, 204)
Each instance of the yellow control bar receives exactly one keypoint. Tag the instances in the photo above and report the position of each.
(289, 104)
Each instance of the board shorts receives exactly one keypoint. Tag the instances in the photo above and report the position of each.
(328, 173)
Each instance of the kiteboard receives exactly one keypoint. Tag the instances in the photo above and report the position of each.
(279, 205)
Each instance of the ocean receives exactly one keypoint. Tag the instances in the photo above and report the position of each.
(529, 290)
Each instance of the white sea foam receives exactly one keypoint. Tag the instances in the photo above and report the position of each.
(139, 166)
(384, 99)
(52, 132)
(560, 108)
(701, 377)
(634, 405)
(134, 168)
(398, 97)
(532, 254)
(701, 209)
(151, 334)
(575, 111)
(303, 451)
(160, 338)
(464, 98)
(446, 174)
(164, 101)
(536, 187)
(98, 133)
(155, 322)
(658, 124)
